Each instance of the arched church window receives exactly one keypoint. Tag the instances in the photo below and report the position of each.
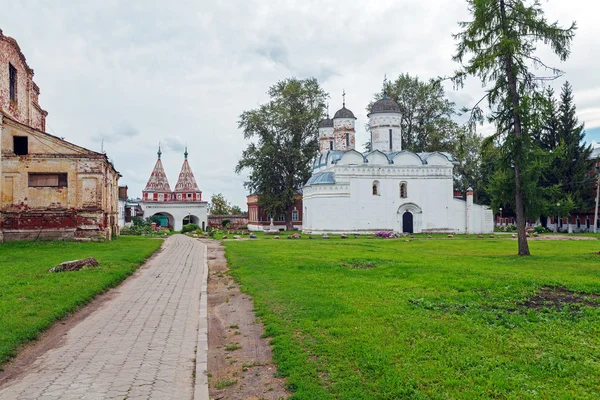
(403, 190)
(375, 188)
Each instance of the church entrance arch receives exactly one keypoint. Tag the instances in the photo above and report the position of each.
(407, 222)
(410, 218)
(164, 219)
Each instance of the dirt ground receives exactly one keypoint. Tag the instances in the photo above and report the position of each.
(561, 237)
(240, 364)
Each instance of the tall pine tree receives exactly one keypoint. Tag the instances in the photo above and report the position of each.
(575, 164)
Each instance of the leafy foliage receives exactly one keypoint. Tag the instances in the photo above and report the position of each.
(284, 133)
(219, 205)
(426, 113)
(498, 46)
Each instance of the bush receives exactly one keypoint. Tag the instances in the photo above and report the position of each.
(225, 223)
(540, 229)
(189, 228)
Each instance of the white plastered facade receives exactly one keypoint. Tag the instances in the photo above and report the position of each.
(388, 190)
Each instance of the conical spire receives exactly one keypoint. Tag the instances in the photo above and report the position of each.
(158, 181)
(186, 182)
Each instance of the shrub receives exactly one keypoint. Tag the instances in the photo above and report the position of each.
(189, 228)
(225, 223)
(540, 229)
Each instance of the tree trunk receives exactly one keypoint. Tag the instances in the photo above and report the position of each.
(518, 149)
(289, 226)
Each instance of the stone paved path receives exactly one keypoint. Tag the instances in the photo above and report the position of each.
(141, 344)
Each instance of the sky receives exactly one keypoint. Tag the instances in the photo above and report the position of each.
(124, 76)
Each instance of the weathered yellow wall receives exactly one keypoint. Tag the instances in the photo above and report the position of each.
(92, 183)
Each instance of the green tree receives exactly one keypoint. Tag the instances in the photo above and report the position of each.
(468, 155)
(575, 165)
(498, 46)
(219, 205)
(426, 113)
(236, 210)
(285, 141)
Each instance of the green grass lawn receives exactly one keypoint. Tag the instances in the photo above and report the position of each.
(432, 318)
(31, 298)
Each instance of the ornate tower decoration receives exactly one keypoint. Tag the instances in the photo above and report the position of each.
(187, 188)
(343, 128)
(384, 123)
(157, 188)
(326, 133)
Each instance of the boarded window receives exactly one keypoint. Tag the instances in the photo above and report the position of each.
(12, 74)
(20, 145)
(47, 180)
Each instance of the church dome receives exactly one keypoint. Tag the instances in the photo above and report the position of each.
(385, 105)
(344, 113)
(326, 123)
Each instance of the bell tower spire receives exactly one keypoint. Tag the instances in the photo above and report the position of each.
(159, 152)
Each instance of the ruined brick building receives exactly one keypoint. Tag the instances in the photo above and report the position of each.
(49, 188)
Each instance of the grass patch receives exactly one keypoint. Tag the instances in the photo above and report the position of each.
(31, 298)
(225, 383)
(437, 318)
(233, 347)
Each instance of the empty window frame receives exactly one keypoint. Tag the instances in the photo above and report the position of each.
(47, 180)
(20, 145)
(403, 190)
(12, 75)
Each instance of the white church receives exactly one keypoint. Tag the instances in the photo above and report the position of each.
(386, 189)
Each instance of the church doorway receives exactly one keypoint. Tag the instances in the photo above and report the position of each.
(407, 222)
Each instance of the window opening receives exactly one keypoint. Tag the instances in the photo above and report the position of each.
(331, 145)
(347, 139)
(12, 73)
(47, 180)
(295, 215)
(404, 192)
(375, 188)
(20, 145)
(390, 139)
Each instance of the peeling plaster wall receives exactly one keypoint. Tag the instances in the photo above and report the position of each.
(86, 207)
(341, 128)
(25, 109)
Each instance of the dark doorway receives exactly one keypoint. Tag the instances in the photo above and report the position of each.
(407, 222)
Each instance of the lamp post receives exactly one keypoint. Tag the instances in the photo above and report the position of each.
(597, 198)
(500, 216)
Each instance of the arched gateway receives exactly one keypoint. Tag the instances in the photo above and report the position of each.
(178, 207)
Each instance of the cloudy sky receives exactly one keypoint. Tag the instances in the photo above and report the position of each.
(135, 73)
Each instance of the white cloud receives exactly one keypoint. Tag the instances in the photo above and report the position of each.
(139, 73)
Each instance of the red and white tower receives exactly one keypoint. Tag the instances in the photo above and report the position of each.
(187, 188)
(157, 188)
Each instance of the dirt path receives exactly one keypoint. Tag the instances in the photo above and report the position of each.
(239, 361)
